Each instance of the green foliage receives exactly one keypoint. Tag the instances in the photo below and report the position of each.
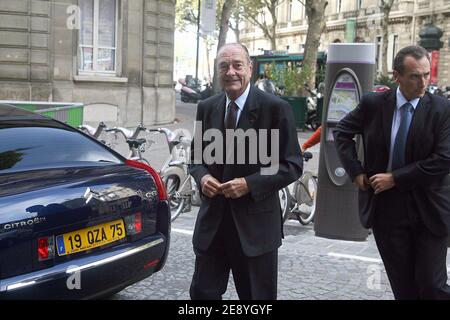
(320, 74)
(186, 12)
(386, 80)
(287, 78)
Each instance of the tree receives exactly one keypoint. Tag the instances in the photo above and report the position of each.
(255, 13)
(185, 16)
(385, 6)
(315, 11)
(225, 14)
(236, 19)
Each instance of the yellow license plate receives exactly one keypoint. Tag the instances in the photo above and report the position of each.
(90, 238)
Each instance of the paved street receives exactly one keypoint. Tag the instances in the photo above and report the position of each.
(309, 267)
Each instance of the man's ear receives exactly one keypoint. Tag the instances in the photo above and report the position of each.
(395, 75)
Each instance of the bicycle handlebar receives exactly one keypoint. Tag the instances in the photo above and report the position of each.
(128, 134)
(90, 130)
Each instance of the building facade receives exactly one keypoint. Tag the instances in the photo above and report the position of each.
(360, 21)
(114, 56)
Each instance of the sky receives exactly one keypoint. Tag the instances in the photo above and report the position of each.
(185, 54)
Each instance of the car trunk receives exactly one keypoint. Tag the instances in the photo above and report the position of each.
(50, 203)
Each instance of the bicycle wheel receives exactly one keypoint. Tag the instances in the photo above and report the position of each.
(176, 202)
(285, 201)
(306, 197)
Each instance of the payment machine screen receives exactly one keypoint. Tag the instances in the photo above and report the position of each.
(344, 97)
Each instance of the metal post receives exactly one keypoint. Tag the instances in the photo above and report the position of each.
(198, 42)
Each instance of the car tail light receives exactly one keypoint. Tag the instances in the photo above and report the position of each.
(159, 184)
(45, 248)
(133, 223)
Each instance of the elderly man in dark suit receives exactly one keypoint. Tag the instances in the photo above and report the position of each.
(239, 224)
(404, 181)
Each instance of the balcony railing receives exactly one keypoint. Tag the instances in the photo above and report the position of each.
(424, 5)
(351, 14)
(333, 17)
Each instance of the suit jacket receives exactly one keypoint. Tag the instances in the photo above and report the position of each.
(257, 215)
(424, 180)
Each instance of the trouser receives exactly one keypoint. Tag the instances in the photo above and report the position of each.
(255, 278)
(414, 258)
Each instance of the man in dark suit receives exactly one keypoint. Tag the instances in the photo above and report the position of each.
(239, 224)
(404, 181)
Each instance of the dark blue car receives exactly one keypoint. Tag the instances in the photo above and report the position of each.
(77, 220)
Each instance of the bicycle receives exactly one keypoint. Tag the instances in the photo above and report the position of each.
(95, 133)
(101, 134)
(181, 188)
(136, 145)
(301, 204)
(182, 191)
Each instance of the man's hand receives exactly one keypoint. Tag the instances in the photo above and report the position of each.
(382, 182)
(235, 188)
(210, 186)
(362, 182)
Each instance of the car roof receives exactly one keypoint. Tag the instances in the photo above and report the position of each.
(11, 112)
(14, 116)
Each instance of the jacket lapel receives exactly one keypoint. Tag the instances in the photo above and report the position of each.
(388, 115)
(250, 112)
(417, 123)
(218, 114)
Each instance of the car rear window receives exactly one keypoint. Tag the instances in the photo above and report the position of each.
(26, 148)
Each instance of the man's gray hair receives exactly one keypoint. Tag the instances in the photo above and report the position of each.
(236, 44)
(417, 52)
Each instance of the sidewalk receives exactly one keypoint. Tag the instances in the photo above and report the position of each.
(310, 267)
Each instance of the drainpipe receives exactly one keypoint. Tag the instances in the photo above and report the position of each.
(413, 40)
(142, 61)
(158, 62)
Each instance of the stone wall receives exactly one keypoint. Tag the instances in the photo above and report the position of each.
(38, 58)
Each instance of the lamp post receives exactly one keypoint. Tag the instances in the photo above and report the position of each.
(190, 16)
(198, 43)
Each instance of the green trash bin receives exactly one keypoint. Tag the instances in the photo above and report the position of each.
(300, 110)
(70, 113)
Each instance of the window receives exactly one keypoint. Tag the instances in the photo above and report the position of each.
(289, 11)
(392, 49)
(303, 12)
(359, 4)
(98, 36)
(394, 46)
(339, 6)
(32, 147)
(378, 56)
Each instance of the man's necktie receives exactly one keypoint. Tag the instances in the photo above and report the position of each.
(230, 123)
(230, 118)
(398, 157)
